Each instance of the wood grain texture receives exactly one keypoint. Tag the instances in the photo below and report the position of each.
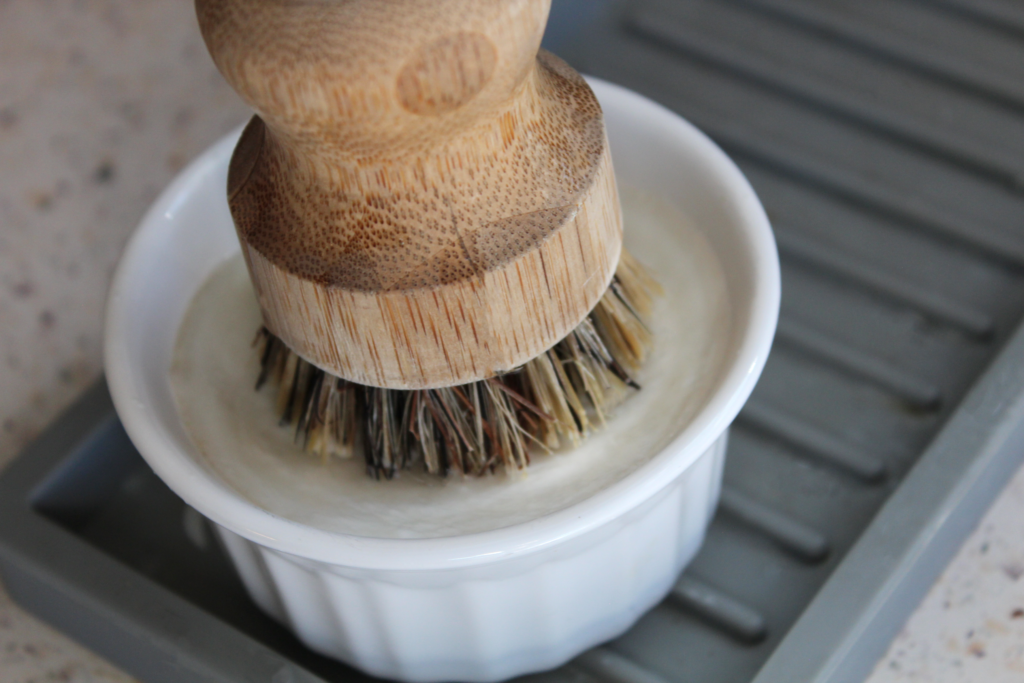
(422, 200)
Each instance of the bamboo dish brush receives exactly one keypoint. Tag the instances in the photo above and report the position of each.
(428, 212)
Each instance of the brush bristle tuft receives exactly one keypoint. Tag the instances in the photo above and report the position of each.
(555, 399)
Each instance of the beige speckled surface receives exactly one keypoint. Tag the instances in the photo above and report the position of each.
(970, 626)
(101, 102)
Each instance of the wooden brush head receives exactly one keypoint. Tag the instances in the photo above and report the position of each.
(422, 200)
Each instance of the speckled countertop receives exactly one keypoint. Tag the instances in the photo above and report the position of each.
(101, 103)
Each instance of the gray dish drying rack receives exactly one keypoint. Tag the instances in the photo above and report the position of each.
(886, 140)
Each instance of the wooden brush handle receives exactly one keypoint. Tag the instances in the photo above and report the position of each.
(422, 199)
(373, 78)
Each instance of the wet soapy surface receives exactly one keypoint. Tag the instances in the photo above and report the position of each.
(236, 434)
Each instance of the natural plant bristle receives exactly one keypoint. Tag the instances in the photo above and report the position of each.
(555, 399)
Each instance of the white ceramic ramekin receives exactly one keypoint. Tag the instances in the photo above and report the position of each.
(476, 607)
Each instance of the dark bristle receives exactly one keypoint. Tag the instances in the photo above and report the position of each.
(270, 345)
(293, 393)
(472, 429)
